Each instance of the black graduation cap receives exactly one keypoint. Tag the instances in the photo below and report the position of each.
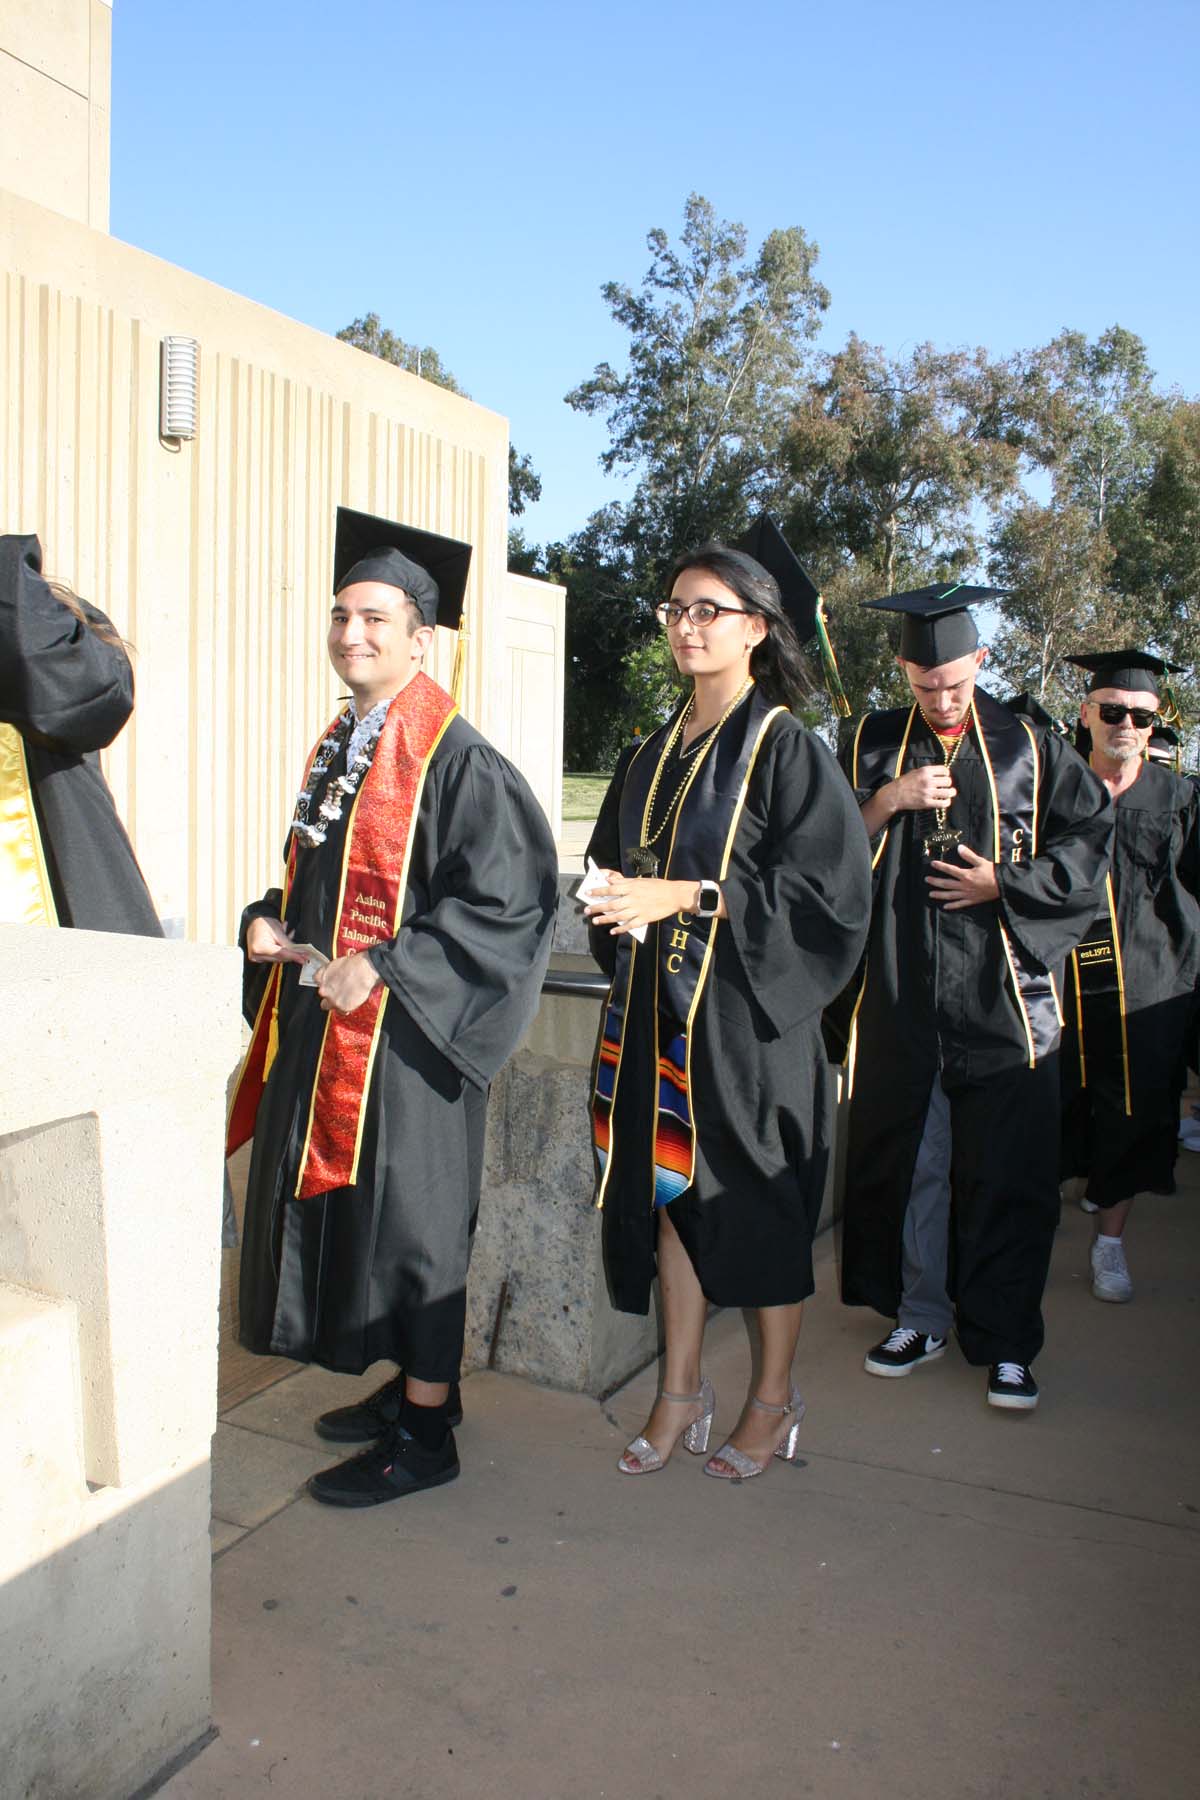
(1028, 706)
(770, 549)
(935, 624)
(1135, 670)
(431, 570)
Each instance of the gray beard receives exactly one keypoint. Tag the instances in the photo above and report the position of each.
(1122, 753)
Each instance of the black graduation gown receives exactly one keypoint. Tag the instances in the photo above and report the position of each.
(798, 896)
(1156, 885)
(69, 693)
(937, 994)
(379, 1269)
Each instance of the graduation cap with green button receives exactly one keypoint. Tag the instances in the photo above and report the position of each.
(799, 594)
(936, 623)
(1137, 671)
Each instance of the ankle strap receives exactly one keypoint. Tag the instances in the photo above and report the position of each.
(665, 1396)
(763, 1406)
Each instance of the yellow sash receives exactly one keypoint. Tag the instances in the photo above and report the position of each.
(26, 897)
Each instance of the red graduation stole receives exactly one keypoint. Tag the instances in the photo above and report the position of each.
(374, 877)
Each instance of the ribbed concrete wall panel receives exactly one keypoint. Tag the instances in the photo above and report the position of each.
(214, 556)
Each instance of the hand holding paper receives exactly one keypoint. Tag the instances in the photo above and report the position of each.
(594, 892)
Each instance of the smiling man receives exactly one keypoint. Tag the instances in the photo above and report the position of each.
(1132, 982)
(422, 871)
(990, 841)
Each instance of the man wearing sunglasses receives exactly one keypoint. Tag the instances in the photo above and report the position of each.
(1131, 983)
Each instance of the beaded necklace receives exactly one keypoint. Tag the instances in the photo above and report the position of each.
(642, 860)
(310, 833)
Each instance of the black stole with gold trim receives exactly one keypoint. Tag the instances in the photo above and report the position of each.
(699, 845)
(1008, 747)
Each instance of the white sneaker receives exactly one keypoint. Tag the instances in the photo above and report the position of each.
(1110, 1273)
(1086, 1205)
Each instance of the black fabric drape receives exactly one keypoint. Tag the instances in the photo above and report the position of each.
(1156, 884)
(797, 892)
(937, 994)
(69, 692)
(378, 1270)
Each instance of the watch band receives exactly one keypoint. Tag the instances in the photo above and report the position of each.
(709, 898)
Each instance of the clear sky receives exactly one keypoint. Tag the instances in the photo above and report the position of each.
(979, 173)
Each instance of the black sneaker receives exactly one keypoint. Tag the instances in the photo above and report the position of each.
(901, 1351)
(386, 1471)
(377, 1414)
(1011, 1384)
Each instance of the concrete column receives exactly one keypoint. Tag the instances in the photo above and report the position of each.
(113, 1066)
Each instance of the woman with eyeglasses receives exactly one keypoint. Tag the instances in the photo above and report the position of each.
(730, 907)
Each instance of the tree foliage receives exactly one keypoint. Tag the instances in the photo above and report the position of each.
(376, 339)
(369, 334)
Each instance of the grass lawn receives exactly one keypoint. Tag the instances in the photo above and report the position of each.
(582, 795)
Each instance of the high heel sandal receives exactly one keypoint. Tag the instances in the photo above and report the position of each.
(744, 1466)
(694, 1437)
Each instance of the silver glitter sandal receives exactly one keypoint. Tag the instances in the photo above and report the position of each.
(743, 1466)
(694, 1436)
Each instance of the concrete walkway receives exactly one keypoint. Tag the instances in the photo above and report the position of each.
(939, 1600)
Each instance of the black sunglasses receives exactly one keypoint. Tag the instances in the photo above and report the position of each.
(1112, 714)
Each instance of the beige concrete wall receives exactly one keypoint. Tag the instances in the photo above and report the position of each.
(55, 85)
(535, 623)
(214, 557)
(110, 1204)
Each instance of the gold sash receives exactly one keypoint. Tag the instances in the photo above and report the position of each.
(26, 897)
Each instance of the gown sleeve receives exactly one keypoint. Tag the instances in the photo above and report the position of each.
(1048, 902)
(604, 848)
(61, 685)
(468, 961)
(798, 893)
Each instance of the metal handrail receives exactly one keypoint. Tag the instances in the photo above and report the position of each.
(580, 984)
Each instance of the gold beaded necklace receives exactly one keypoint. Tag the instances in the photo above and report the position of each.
(950, 746)
(641, 859)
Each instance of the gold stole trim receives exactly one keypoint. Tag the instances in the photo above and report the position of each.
(26, 897)
(634, 947)
(332, 1020)
(702, 977)
(852, 1035)
(1111, 898)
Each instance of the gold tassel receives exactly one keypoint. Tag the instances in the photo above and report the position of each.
(272, 1049)
(833, 680)
(458, 675)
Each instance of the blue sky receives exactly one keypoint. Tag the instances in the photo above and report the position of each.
(973, 174)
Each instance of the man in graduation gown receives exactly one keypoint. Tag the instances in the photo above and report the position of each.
(66, 690)
(420, 864)
(1131, 984)
(990, 841)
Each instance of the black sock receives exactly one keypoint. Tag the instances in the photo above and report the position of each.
(427, 1424)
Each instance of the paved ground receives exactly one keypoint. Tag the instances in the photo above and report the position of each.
(939, 1600)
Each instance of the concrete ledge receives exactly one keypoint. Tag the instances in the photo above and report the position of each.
(537, 1301)
(112, 1082)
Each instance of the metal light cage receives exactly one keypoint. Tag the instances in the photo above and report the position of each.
(178, 387)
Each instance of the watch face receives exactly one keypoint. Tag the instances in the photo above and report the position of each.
(708, 899)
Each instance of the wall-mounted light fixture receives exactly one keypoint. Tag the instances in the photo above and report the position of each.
(177, 387)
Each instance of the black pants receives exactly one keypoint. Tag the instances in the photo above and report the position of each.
(1004, 1201)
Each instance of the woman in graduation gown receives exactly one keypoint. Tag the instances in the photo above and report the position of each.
(731, 836)
(66, 690)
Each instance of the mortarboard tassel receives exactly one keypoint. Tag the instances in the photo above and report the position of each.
(833, 680)
(458, 675)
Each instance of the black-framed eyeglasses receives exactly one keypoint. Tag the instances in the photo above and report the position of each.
(1112, 713)
(700, 612)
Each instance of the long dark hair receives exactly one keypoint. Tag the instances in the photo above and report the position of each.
(777, 664)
